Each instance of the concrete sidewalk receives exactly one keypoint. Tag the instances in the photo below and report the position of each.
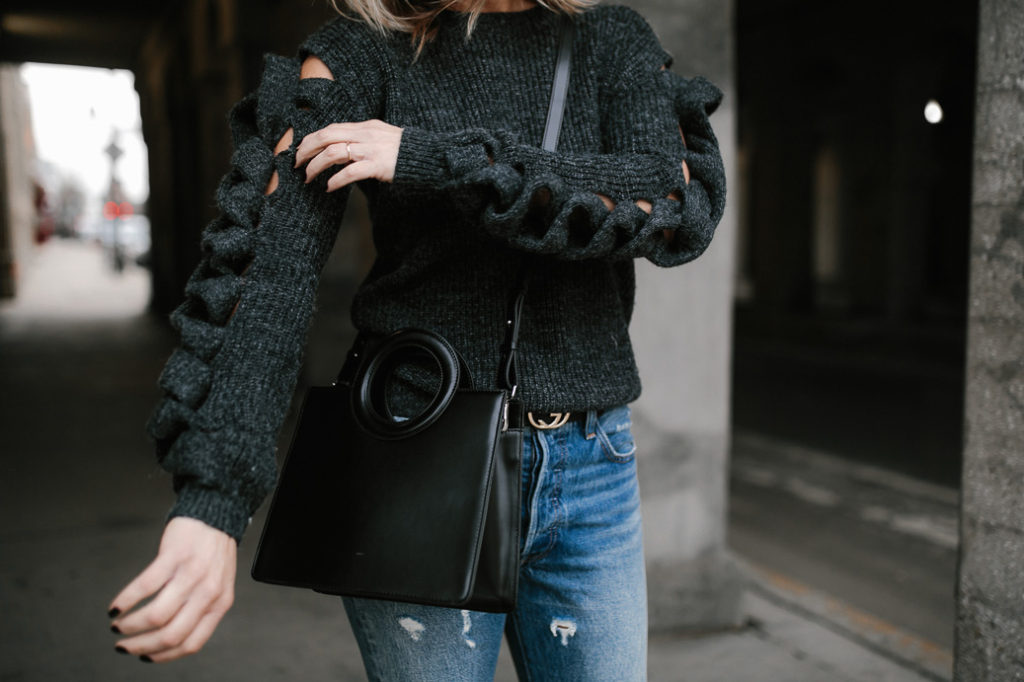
(82, 504)
(56, 586)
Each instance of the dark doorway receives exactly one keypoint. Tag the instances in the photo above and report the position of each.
(852, 273)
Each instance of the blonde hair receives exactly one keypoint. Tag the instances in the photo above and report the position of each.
(416, 17)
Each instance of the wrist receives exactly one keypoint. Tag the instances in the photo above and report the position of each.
(433, 159)
(213, 508)
(421, 158)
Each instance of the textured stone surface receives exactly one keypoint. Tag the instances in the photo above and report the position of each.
(987, 643)
(696, 33)
(992, 486)
(682, 419)
(990, 595)
(700, 594)
(990, 566)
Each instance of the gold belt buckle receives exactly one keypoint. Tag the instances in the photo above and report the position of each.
(557, 419)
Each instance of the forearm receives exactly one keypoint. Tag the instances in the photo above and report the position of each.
(611, 205)
(247, 307)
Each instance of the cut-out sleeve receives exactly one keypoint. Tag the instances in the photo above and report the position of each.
(248, 304)
(547, 202)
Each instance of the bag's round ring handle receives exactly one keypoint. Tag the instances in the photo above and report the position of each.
(367, 392)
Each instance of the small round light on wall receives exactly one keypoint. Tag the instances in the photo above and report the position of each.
(933, 112)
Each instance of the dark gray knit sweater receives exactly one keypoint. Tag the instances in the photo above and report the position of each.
(451, 231)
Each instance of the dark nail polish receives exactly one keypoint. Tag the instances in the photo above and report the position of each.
(120, 649)
(114, 612)
(145, 659)
(116, 630)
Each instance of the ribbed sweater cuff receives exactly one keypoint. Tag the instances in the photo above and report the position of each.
(213, 508)
(421, 158)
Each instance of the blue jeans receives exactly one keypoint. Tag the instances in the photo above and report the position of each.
(582, 603)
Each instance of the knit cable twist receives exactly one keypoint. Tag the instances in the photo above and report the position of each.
(248, 305)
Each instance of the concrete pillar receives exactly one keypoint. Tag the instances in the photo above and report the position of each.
(990, 594)
(188, 76)
(194, 64)
(17, 212)
(682, 335)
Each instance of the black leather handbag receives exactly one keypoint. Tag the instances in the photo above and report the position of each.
(425, 509)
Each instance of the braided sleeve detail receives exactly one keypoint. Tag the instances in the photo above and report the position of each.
(546, 202)
(704, 196)
(248, 304)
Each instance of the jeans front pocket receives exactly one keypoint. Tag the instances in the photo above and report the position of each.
(614, 430)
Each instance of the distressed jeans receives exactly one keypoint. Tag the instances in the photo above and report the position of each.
(582, 605)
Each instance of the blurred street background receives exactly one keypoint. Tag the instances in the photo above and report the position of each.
(831, 479)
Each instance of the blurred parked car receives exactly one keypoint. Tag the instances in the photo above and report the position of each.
(125, 238)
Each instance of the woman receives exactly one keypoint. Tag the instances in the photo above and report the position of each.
(442, 134)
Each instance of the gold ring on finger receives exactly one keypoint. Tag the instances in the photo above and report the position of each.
(348, 150)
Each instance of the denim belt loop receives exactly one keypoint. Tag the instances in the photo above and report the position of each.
(591, 425)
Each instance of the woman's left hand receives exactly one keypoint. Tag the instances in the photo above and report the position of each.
(367, 149)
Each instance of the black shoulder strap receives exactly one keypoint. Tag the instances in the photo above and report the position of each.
(560, 86)
(556, 108)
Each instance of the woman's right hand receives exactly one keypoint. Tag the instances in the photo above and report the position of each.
(192, 582)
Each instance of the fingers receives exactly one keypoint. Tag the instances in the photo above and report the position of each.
(184, 634)
(192, 586)
(158, 634)
(154, 577)
(353, 172)
(194, 642)
(336, 154)
(347, 145)
(162, 609)
(317, 141)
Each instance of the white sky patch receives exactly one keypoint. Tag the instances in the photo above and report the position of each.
(75, 110)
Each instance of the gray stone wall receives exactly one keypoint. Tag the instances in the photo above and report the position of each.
(681, 332)
(17, 212)
(990, 593)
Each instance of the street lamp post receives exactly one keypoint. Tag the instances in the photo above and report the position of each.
(115, 198)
